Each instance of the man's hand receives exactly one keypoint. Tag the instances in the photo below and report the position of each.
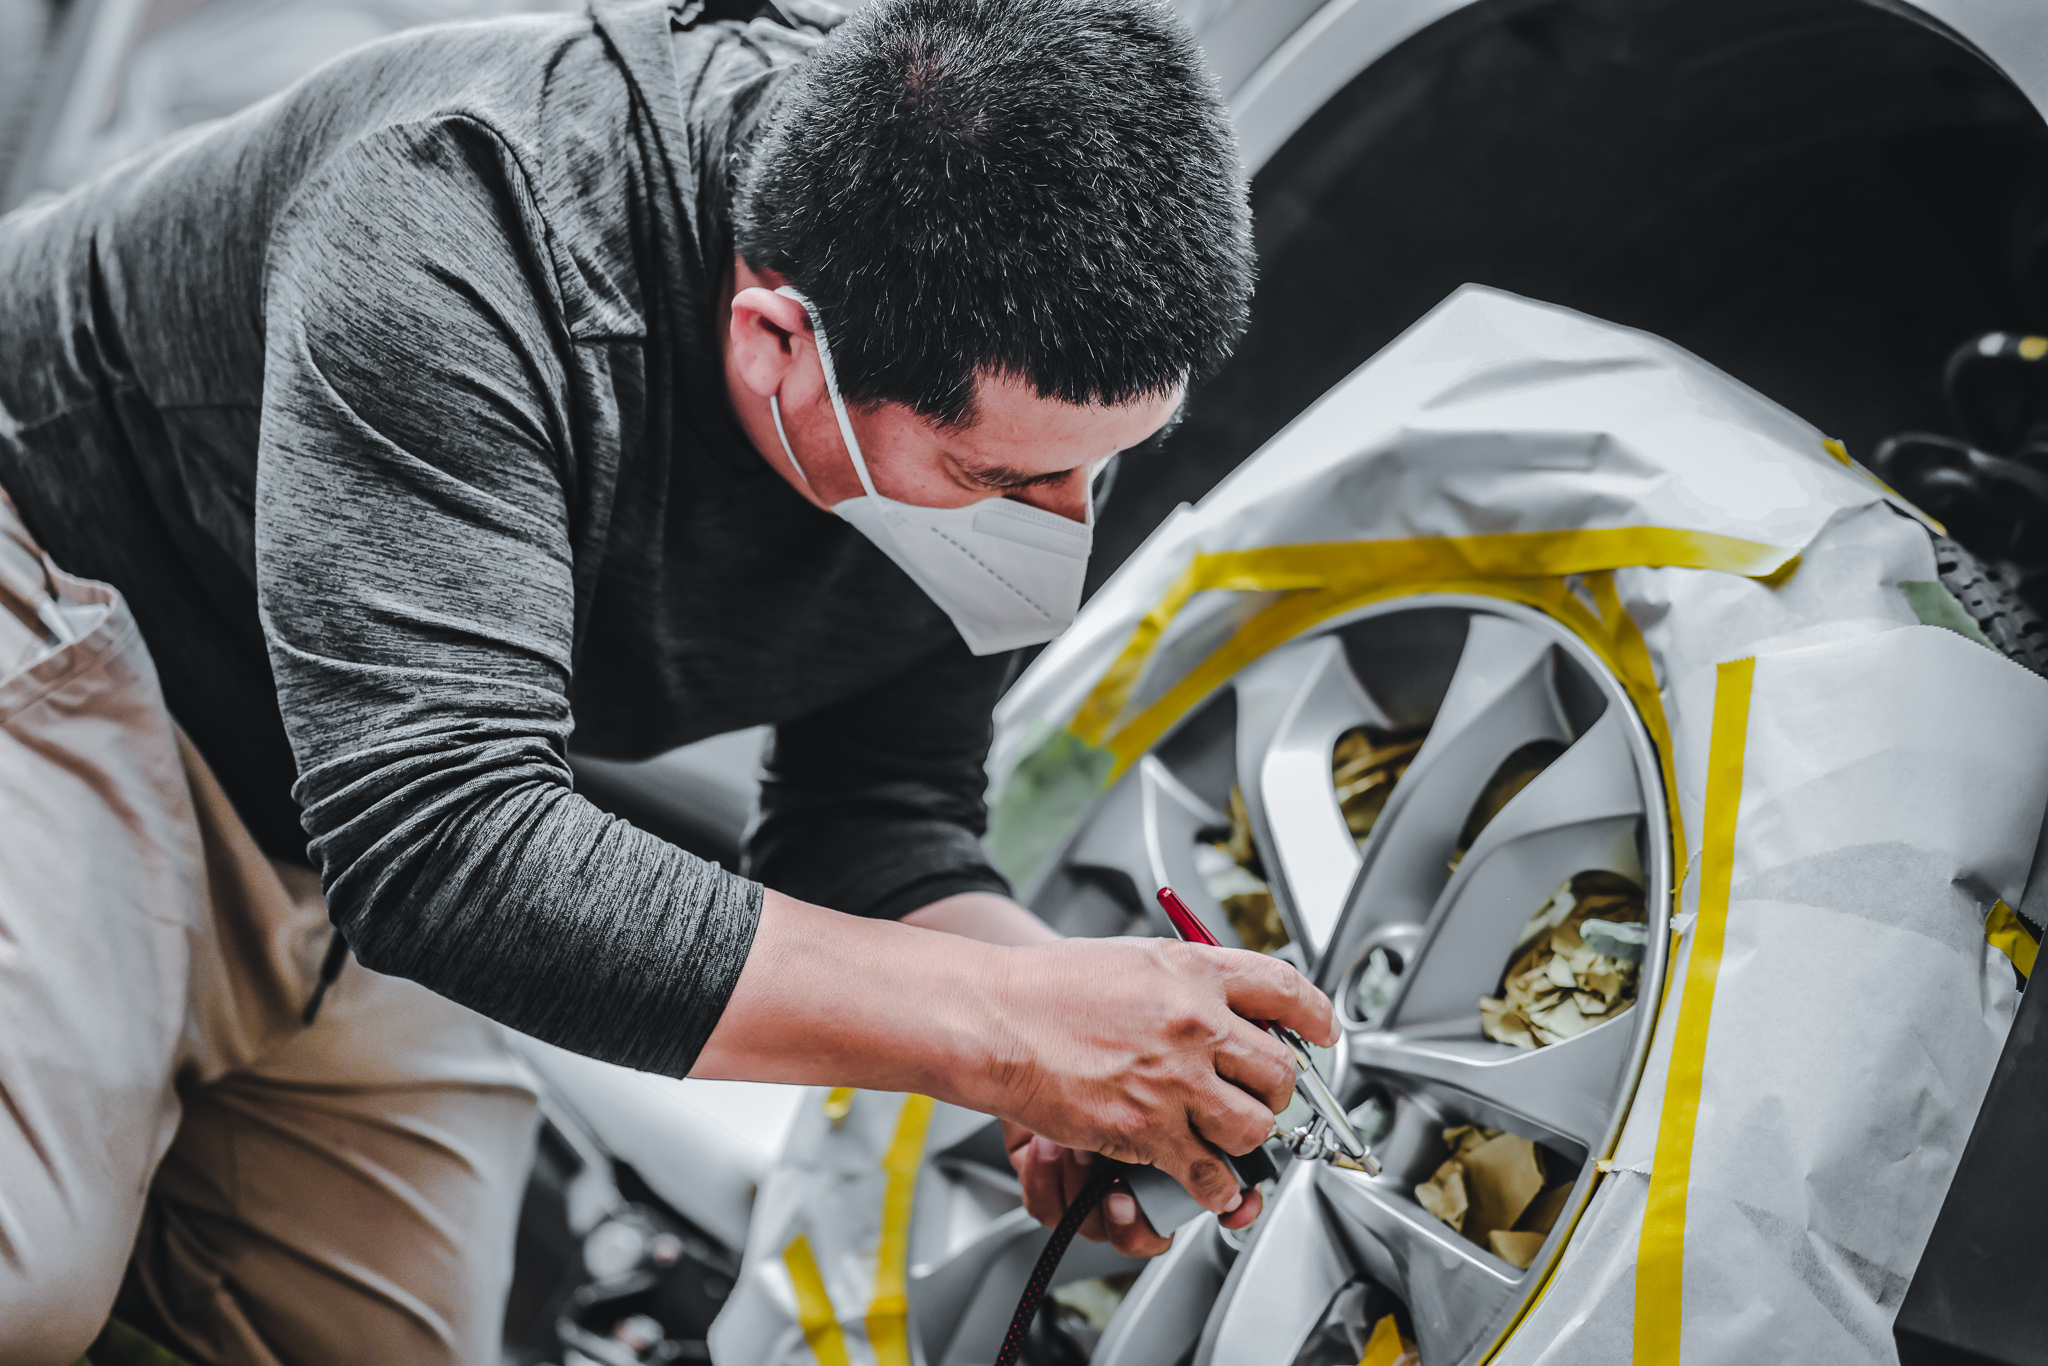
(1144, 1049)
(1139, 1048)
(1052, 1176)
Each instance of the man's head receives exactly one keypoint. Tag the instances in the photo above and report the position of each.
(1024, 214)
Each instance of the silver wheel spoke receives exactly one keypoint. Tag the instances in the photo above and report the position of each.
(1291, 708)
(1580, 813)
(1147, 830)
(1562, 1094)
(1500, 699)
(947, 1283)
(1297, 1264)
(1453, 1291)
(1162, 1316)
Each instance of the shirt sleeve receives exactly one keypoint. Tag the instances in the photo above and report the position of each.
(876, 805)
(417, 587)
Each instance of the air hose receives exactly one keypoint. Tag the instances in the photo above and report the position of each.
(1099, 1182)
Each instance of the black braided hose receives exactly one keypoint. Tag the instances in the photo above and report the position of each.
(1099, 1182)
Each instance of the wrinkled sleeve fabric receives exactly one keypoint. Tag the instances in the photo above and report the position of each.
(876, 805)
(416, 581)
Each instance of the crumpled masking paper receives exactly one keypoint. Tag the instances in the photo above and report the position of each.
(1575, 964)
(1516, 772)
(1236, 879)
(1365, 764)
(1492, 1190)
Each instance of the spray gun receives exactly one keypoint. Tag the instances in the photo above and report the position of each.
(1328, 1137)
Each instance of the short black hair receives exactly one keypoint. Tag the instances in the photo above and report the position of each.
(1042, 189)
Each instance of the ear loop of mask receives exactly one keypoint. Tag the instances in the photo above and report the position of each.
(860, 464)
(775, 411)
(1095, 479)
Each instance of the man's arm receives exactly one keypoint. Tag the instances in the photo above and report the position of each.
(984, 916)
(416, 579)
(1142, 1049)
(876, 804)
(415, 573)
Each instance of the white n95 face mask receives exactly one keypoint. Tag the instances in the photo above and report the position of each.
(1006, 573)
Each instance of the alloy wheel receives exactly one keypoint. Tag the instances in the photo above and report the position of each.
(1407, 929)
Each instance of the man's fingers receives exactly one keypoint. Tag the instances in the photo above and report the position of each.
(1248, 1211)
(1231, 1119)
(1204, 1173)
(1130, 1232)
(1261, 1064)
(1052, 1178)
(1015, 1139)
(1041, 1173)
(1212, 1182)
(1075, 1169)
(1263, 988)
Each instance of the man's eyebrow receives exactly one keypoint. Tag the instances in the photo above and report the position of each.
(1001, 476)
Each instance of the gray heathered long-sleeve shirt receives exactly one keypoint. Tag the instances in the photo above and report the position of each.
(395, 407)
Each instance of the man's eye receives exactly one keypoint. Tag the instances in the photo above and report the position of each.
(1018, 483)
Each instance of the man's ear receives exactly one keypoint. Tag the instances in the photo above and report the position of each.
(763, 338)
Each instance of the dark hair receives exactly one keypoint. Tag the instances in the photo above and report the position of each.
(1044, 189)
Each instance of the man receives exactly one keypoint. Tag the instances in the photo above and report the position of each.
(646, 375)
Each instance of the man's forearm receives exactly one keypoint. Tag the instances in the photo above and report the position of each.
(820, 999)
(1051, 1175)
(820, 1002)
(985, 916)
(1141, 1049)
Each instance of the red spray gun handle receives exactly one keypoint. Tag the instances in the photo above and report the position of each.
(1309, 1077)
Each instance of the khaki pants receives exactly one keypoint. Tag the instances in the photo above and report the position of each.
(345, 1192)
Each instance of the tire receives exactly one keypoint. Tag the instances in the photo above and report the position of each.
(2014, 628)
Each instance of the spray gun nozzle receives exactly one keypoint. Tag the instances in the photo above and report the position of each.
(1313, 1143)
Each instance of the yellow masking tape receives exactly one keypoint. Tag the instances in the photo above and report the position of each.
(2004, 931)
(1354, 566)
(1384, 1347)
(1660, 1255)
(1628, 654)
(888, 1317)
(1842, 458)
(838, 1104)
(1099, 709)
(1574, 550)
(1611, 633)
(814, 1313)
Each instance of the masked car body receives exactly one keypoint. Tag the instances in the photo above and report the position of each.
(1752, 592)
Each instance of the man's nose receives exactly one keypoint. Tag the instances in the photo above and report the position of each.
(1068, 497)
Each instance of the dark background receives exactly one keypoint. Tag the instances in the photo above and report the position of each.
(1822, 197)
